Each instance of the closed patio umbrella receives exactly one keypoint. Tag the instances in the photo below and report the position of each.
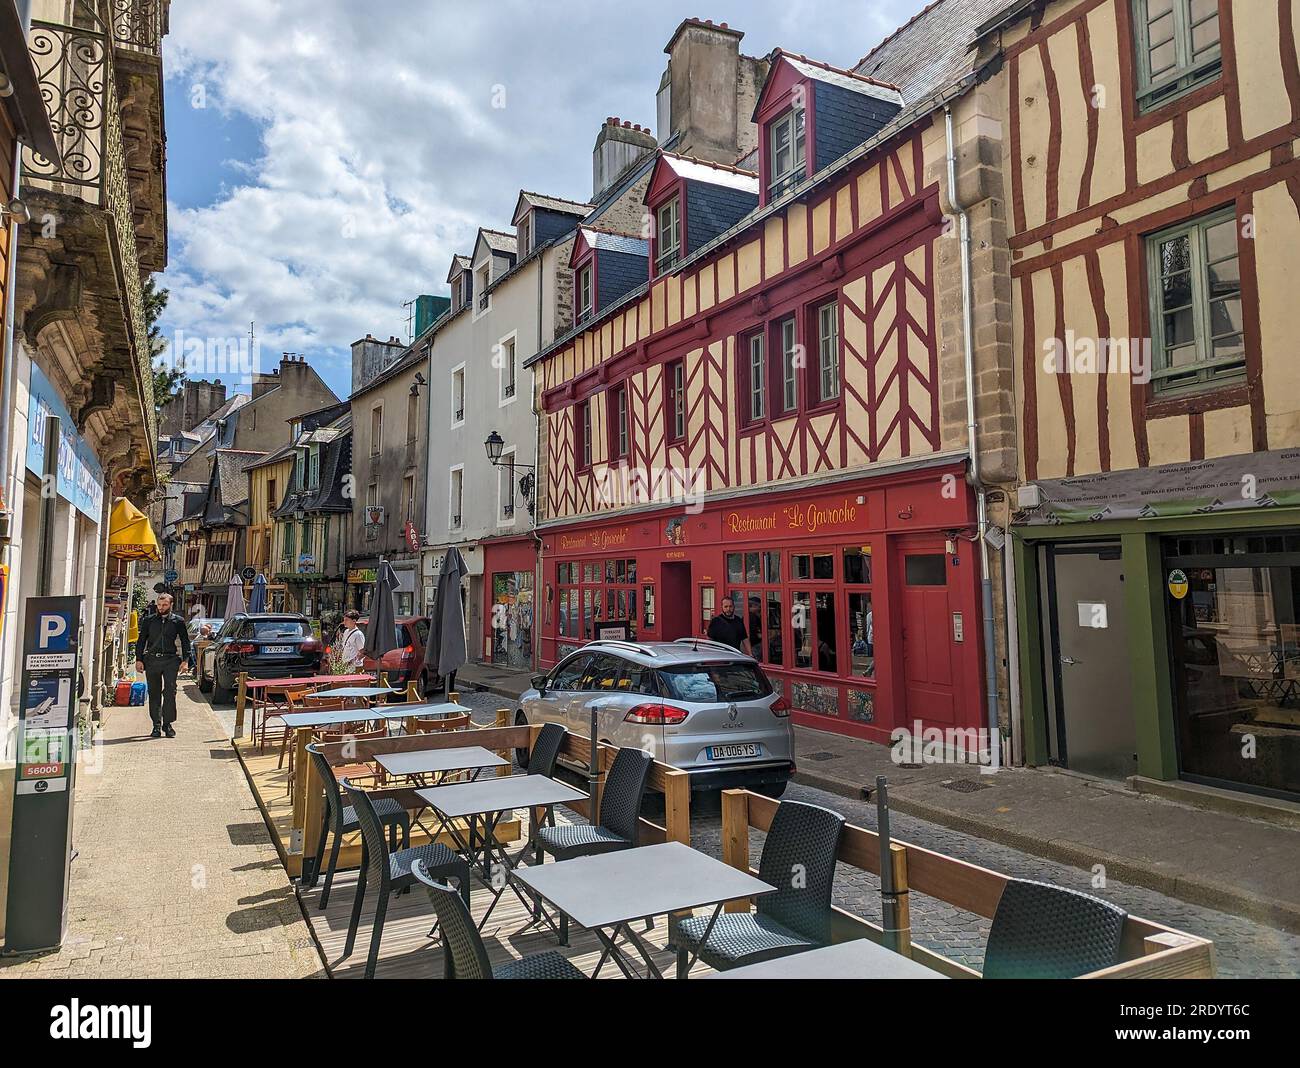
(381, 631)
(445, 651)
(257, 602)
(235, 595)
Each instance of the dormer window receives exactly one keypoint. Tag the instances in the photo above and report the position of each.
(482, 277)
(524, 235)
(786, 146)
(586, 293)
(668, 238)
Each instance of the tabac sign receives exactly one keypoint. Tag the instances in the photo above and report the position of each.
(843, 514)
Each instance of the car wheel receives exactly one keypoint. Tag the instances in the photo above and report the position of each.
(221, 695)
(521, 754)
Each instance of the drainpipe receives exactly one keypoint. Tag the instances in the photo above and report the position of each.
(1013, 650)
(974, 476)
(538, 592)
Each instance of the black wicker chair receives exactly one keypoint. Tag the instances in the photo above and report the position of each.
(388, 872)
(804, 839)
(620, 809)
(546, 750)
(1042, 931)
(342, 819)
(463, 953)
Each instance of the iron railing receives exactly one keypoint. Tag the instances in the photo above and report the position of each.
(75, 74)
(139, 25)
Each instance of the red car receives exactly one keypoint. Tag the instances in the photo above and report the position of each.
(407, 660)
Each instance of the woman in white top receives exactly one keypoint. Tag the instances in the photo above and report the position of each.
(352, 641)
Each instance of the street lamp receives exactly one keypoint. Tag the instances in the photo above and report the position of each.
(494, 444)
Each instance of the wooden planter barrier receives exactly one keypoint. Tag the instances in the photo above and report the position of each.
(1149, 950)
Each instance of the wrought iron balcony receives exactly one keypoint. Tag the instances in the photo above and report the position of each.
(76, 72)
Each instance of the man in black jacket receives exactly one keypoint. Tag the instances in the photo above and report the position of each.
(162, 650)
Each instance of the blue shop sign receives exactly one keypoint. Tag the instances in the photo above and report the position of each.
(81, 478)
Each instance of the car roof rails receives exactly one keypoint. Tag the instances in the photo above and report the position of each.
(695, 643)
(617, 643)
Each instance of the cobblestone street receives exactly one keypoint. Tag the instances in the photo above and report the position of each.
(175, 875)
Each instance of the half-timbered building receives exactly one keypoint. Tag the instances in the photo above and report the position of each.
(1155, 229)
(777, 413)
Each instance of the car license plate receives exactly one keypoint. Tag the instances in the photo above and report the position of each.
(277, 648)
(732, 752)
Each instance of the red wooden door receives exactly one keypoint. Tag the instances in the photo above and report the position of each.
(674, 607)
(930, 650)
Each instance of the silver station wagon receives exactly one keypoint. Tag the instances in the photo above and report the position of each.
(698, 705)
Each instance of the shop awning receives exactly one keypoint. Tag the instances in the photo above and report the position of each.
(130, 534)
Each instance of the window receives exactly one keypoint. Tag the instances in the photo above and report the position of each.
(728, 681)
(586, 293)
(668, 244)
(1177, 47)
(457, 292)
(456, 498)
(618, 422)
(509, 379)
(272, 498)
(299, 468)
(753, 584)
(481, 279)
(524, 235)
(506, 486)
(372, 495)
(313, 467)
(675, 376)
(1196, 312)
(412, 417)
(219, 551)
(376, 429)
(408, 499)
(458, 396)
(583, 432)
(789, 365)
(828, 351)
(756, 377)
(786, 161)
(593, 591)
(568, 675)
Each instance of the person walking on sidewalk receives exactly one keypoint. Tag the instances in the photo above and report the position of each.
(162, 650)
(728, 628)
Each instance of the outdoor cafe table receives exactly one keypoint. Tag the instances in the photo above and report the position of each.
(327, 717)
(614, 890)
(259, 690)
(442, 762)
(491, 799)
(349, 692)
(859, 959)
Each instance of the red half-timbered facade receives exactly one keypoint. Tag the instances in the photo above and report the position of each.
(762, 421)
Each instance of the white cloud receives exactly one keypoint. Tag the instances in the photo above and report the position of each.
(382, 152)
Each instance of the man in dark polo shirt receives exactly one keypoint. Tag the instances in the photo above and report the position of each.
(162, 650)
(728, 628)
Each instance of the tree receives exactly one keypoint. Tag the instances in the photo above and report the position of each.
(167, 378)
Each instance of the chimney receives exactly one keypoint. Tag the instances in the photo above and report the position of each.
(370, 356)
(708, 92)
(619, 144)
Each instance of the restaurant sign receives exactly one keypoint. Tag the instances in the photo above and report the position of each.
(361, 575)
(841, 514)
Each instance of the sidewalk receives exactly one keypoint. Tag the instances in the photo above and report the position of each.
(175, 876)
(1229, 862)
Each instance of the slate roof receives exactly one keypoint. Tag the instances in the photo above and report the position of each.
(931, 50)
(498, 241)
(548, 203)
(335, 461)
(227, 492)
(458, 263)
(608, 241)
(700, 170)
(843, 79)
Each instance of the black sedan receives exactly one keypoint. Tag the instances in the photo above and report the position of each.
(267, 645)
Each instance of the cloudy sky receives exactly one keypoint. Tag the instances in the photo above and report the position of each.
(327, 157)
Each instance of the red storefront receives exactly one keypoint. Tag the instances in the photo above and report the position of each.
(861, 595)
(509, 570)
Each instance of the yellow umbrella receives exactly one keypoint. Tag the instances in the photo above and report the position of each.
(130, 534)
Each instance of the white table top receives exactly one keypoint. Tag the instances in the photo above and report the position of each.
(499, 793)
(859, 959)
(632, 884)
(430, 761)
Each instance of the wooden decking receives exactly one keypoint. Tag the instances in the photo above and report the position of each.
(406, 951)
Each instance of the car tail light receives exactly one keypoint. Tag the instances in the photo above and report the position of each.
(656, 714)
(310, 645)
(781, 707)
(408, 654)
(240, 648)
